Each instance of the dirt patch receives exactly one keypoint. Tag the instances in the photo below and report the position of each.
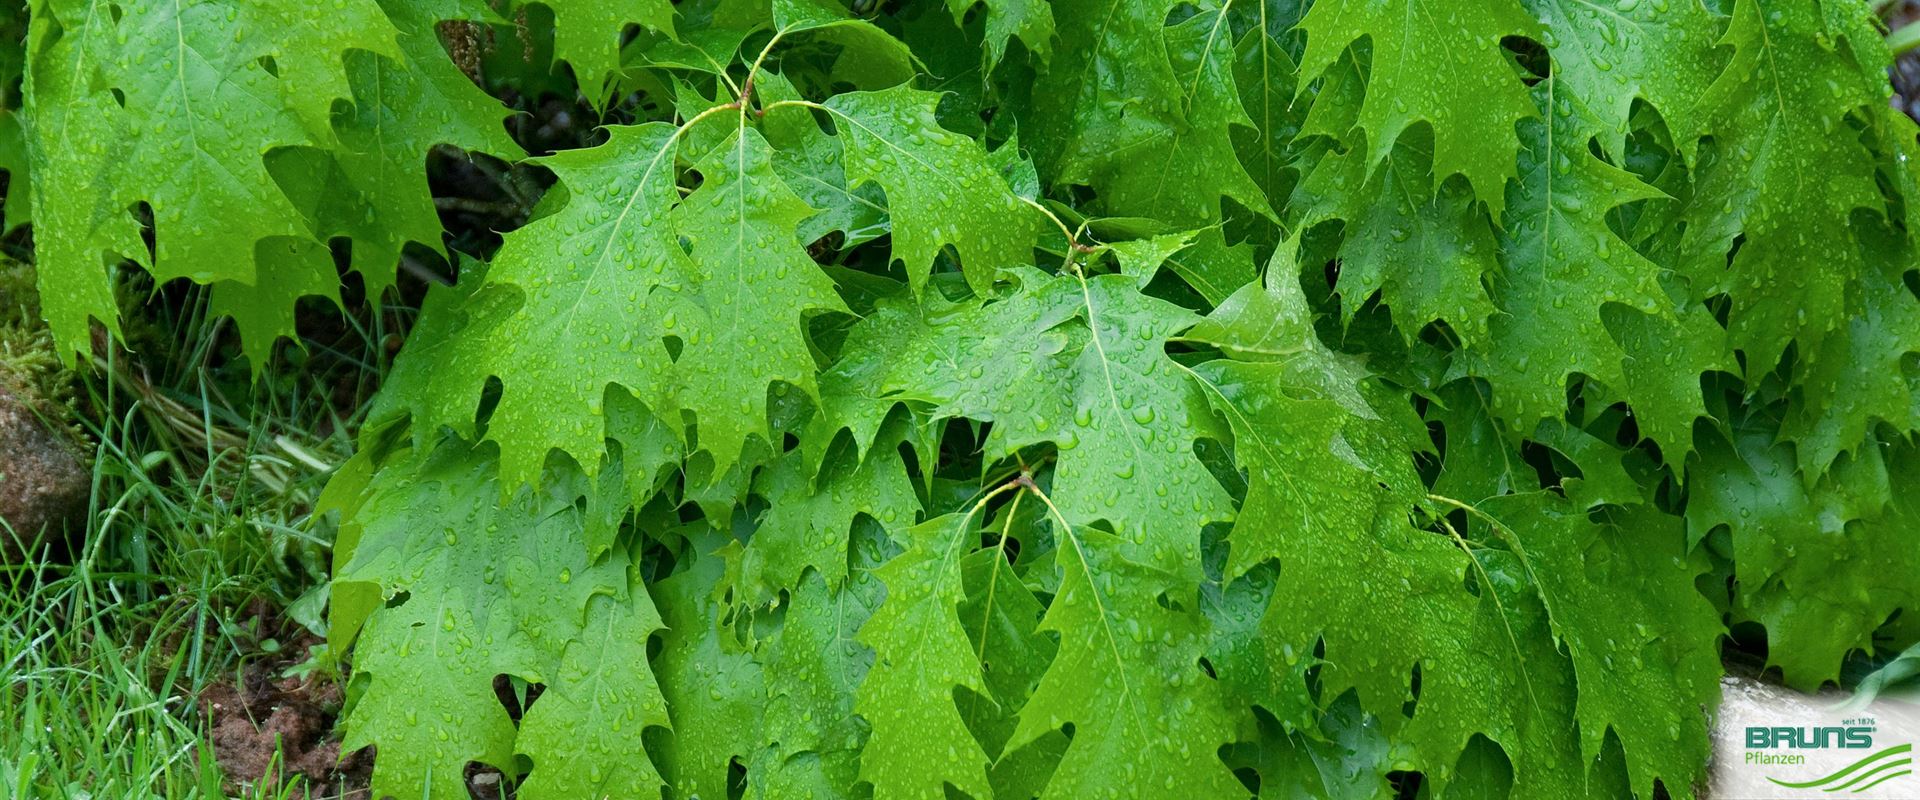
(266, 728)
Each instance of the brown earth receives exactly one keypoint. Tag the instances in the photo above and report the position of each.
(262, 714)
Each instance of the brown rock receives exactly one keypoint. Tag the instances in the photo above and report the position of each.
(42, 482)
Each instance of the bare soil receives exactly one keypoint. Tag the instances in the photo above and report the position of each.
(265, 728)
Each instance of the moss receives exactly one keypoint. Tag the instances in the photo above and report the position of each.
(30, 368)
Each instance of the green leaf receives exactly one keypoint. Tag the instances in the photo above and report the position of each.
(1140, 259)
(1268, 78)
(372, 188)
(602, 684)
(921, 656)
(872, 58)
(1145, 717)
(942, 189)
(1604, 58)
(615, 247)
(262, 312)
(715, 689)
(1643, 643)
(1821, 566)
(1667, 389)
(755, 288)
(1031, 20)
(1237, 651)
(808, 159)
(1201, 258)
(455, 564)
(1002, 620)
(218, 106)
(1860, 369)
(1212, 267)
(813, 669)
(1321, 454)
(1151, 135)
(1349, 764)
(810, 515)
(1480, 460)
(1557, 244)
(1426, 250)
(1439, 62)
(383, 154)
(1339, 94)
(571, 276)
(307, 49)
(1603, 480)
(18, 163)
(1785, 179)
(205, 94)
(1485, 664)
(1893, 680)
(1182, 176)
(587, 34)
(215, 105)
(1079, 364)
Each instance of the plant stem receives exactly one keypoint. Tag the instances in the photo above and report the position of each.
(1904, 39)
(746, 86)
(1498, 608)
(993, 580)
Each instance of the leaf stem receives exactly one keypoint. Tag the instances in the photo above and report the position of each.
(1086, 571)
(1905, 38)
(746, 86)
(1498, 607)
(801, 103)
(1073, 241)
(1507, 536)
(1003, 488)
(1000, 557)
(697, 118)
(720, 70)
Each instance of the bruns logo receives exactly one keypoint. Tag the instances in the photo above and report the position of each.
(1774, 746)
(1810, 738)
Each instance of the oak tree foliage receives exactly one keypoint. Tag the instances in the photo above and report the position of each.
(1051, 398)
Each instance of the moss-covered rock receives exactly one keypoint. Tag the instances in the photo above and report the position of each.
(43, 472)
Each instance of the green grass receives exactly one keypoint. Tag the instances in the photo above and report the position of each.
(201, 488)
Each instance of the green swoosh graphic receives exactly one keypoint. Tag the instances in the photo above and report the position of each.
(1884, 766)
(1847, 770)
(1883, 780)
